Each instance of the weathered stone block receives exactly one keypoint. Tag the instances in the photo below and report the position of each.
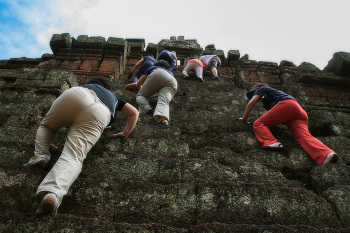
(60, 41)
(173, 205)
(18, 187)
(340, 199)
(339, 64)
(95, 42)
(63, 54)
(324, 177)
(90, 65)
(79, 43)
(91, 198)
(143, 168)
(247, 203)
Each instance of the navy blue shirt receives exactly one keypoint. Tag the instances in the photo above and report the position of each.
(149, 70)
(149, 58)
(113, 102)
(270, 96)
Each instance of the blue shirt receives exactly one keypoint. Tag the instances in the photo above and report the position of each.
(113, 102)
(270, 96)
(149, 58)
(149, 70)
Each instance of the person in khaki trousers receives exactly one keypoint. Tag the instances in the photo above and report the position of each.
(88, 109)
(157, 78)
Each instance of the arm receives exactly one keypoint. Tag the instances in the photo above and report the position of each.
(138, 64)
(141, 81)
(133, 115)
(250, 107)
(175, 58)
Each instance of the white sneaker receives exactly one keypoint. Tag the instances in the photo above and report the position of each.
(273, 146)
(40, 162)
(330, 158)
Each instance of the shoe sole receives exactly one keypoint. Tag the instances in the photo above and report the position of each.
(40, 164)
(48, 205)
(272, 148)
(148, 111)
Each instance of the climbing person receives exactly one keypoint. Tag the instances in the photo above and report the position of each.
(157, 78)
(285, 109)
(196, 66)
(142, 65)
(211, 63)
(88, 109)
(169, 57)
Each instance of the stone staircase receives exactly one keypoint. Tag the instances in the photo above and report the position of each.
(204, 173)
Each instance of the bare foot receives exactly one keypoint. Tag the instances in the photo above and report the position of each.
(130, 86)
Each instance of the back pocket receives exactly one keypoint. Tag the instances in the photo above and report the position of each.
(73, 95)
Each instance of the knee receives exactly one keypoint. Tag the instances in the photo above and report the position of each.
(257, 124)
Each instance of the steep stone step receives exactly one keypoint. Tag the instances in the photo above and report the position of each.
(18, 222)
(176, 205)
(186, 204)
(106, 199)
(155, 169)
(13, 222)
(237, 141)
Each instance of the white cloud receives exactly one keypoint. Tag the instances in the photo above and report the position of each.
(270, 30)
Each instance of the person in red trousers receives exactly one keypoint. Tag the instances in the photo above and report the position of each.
(285, 109)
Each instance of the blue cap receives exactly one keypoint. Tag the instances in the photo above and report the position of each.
(250, 93)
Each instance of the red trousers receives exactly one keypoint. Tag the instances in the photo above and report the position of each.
(290, 113)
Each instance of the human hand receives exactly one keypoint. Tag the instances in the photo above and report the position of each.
(241, 119)
(53, 147)
(121, 134)
(130, 76)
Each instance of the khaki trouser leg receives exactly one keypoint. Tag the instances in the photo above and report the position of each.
(89, 117)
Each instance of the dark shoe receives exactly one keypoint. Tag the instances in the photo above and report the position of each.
(162, 123)
(273, 146)
(48, 205)
(147, 111)
(215, 77)
(200, 79)
(40, 162)
(186, 77)
(331, 158)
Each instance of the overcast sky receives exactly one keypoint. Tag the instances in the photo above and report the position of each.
(267, 30)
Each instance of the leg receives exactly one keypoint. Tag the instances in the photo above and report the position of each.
(144, 66)
(83, 134)
(199, 71)
(314, 147)
(185, 71)
(165, 95)
(214, 64)
(52, 122)
(152, 84)
(282, 112)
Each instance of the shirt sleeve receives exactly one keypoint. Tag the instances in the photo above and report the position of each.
(121, 103)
